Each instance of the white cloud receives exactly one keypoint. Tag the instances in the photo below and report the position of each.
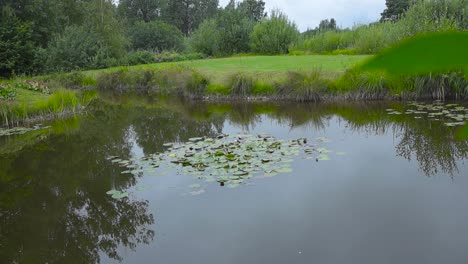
(309, 13)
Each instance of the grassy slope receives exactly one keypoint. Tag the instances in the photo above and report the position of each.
(262, 66)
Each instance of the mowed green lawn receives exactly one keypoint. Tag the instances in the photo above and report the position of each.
(263, 67)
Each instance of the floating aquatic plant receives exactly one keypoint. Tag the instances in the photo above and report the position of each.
(229, 160)
(450, 114)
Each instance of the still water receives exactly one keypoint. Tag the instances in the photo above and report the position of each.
(394, 190)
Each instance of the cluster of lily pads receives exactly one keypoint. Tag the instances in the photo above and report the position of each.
(20, 130)
(229, 160)
(451, 114)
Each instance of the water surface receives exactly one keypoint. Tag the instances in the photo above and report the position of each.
(396, 193)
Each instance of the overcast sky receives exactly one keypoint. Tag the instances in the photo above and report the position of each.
(308, 13)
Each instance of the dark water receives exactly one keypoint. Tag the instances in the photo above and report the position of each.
(399, 195)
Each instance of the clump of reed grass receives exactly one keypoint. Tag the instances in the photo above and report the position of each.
(363, 85)
(196, 85)
(241, 84)
(303, 86)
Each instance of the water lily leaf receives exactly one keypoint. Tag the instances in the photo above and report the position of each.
(323, 150)
(111, 192)
(120, 195)
(193, 186)
(323, 157)
(285, 170)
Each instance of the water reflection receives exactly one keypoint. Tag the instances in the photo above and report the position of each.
(430, 143)
(53, 202)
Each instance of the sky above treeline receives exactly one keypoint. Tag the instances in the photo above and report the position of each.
(309, 13)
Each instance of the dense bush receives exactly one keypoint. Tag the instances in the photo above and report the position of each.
(16, 47)
(206, 39)
(235, 30)
(156, 36)
(77, 48)
(274, 35)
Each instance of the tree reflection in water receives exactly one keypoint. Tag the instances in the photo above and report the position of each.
(59, 181)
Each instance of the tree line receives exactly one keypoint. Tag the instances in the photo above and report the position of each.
(43, 36)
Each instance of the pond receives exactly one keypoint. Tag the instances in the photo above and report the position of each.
(190, 182)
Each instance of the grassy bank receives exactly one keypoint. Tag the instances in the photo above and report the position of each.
(29, 105)
(295, 78)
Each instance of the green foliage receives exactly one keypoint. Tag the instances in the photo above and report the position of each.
(274, 35)
(59, 102)
(260, 88)
(253, 9)
(327, 25)
(235, 30)
(156, 36)
(7, 92)
(395, 9)
(77, 48)
(196, 85)
(436, 53)
(187, 15)
(422, 17)
(176, 80)
(141, 10)
(374, 38)
(206, 39)
(16, 46)
(303, 86)
(241, 84)
(371, 85)
(325, 42)
(217, 89)
(32, 86)
(170, 56)
(140, 57)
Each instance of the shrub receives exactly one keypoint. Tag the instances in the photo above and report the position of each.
(16, 47)
(206, 39)
(156, 36)
(235, 29)
(140, 57)
(75, 49)
(273, 35)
